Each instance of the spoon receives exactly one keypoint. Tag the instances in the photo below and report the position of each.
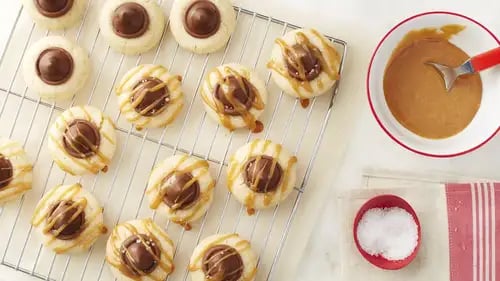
(475, 64)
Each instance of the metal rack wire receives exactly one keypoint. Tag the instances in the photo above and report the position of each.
(121, 190)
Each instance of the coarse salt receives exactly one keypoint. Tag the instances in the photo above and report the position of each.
(389, 232)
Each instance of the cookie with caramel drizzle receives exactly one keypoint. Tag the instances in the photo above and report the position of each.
(15, 170)
(304, 63)
(140, 250)
(69, 218)
(149, 96)
(235, 97)
(225, 257)
(181, 187)
(261, 174)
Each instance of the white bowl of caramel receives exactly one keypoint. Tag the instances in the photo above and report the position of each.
(408, 97)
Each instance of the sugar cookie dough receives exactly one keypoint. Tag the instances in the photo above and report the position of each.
(181, 187)
(304, 63)
(56, 14)
(149, 96)
(69, 218)
(225, 257)
(234, 96)
(56, 68)
(139, 250)
(15, 170)
(261, 174)
(82, 140)
(202, 26)
(132, 27)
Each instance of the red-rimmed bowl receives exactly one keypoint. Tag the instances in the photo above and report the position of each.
(386, 201)
(475, 39)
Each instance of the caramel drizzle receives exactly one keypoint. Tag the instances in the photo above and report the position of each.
(288, 52)
(165, 262)
(129, 107)
(89, 233)
(218, 106)
(85, 163)
(241, 246)
(18, 171)
(204, 196)
(237, 168)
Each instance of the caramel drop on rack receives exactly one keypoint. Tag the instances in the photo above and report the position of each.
(259, 127)
(250, 211)
(305, 102)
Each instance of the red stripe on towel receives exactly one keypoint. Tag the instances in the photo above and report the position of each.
(459, 201)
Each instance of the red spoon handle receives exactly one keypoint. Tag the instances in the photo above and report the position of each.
(486, 60)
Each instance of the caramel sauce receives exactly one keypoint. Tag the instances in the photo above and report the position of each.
(19, 171)
(128, 107)
(415, 92)
(218, 106)
(331, 56)
(304, 102)
(236, 168)
(164, 262)
(204, 196)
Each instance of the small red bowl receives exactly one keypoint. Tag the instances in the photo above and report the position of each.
(386, 201)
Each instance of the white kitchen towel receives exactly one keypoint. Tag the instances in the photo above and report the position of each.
(459, 233)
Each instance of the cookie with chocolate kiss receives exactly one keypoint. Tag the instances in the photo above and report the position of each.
(235, 97)
(82, 140)
(15, 170)
(69, 219)
(139, 250)
(56, 68)
(132, 27)
(202, 26)
(224, 257)
(149, 96)
(181, 187)
(261, 174)
(56, 14)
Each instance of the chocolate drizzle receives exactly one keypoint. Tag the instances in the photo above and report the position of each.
(302, 63)
(235, 94)
(6, 172)
(81, 139)
(150, 96)
(54, 66)
(53, 8)
(181, 190)
(202, 19)
(222, 263)
(66, 219)
(130, 20)
(262, 174)
(140, 254)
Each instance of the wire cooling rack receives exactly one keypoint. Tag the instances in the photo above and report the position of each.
(26, 118)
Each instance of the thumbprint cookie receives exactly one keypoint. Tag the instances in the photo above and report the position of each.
(56, 14)
(15, 170)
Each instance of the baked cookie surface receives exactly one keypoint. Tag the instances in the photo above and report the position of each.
(56, 14)
(132, 27)
(261, 174)
(149, 96)
(56, 68)
(225, 257)
(82, 140)
(182, 188)
(202, 26)
(15, 170)
(139, 250)
(234, 96)
(304, 63)
(69, 219)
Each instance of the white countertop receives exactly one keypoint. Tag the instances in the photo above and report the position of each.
(361, 23)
